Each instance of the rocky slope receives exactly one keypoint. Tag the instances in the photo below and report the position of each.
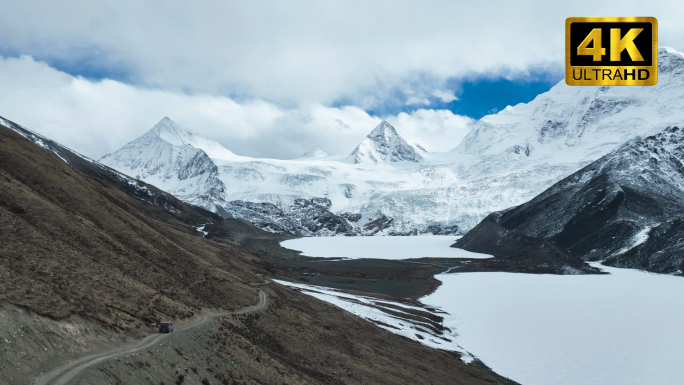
(506, 159)
(67, 222)
(625, 209)
(91, 258)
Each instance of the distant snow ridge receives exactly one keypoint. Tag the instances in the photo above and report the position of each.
(316, 152)
(394, 187)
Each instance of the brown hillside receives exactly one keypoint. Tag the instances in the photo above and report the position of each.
(88, 261)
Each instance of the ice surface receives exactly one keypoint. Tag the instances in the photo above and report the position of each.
(431, 246)
(623, 328)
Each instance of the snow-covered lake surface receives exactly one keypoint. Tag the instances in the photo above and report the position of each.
(622, 328)
(431, 246)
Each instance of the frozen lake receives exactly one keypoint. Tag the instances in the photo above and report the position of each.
(623, 328)
(431, 246)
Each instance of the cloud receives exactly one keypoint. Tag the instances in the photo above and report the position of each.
(413, 100)
(446, 96)
(99, 117)
(292, 52)
(435, 130)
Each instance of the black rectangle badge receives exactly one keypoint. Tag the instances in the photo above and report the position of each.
(611, 51)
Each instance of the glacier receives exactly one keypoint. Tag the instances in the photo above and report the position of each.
(387, 186)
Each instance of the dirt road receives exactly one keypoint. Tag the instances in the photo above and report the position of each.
(69, 372)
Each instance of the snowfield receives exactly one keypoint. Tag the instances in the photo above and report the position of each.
(430, 246)
(623, 328)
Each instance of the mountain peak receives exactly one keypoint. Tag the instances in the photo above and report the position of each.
(171, 133)
(582, 121)
(316, 152)
(384, 144)
(383, 130)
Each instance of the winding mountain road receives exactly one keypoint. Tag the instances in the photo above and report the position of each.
(68, 372)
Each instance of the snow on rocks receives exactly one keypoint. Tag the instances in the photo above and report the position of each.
(384, 144)
(405, 320)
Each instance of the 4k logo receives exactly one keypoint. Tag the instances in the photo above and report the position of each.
(611, 51)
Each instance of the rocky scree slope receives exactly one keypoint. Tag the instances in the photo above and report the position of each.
(625, 209)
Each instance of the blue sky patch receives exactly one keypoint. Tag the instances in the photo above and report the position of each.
(478, 96)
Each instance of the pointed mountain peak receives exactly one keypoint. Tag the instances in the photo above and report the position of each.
(384, 144)
(170, 132)
(316, 152)
(383, 130)
(164, 124)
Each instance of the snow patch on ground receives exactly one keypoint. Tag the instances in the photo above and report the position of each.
(429, 246)
(201, 230)
(623, 328)
(639, 238)
(366, 308)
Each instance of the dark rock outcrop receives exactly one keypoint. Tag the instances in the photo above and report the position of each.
(625, 209)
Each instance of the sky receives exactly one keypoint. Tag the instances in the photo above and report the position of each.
(273, 78)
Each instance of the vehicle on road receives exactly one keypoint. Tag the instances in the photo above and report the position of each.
(165, 327)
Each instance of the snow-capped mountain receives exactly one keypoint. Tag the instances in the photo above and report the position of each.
(384, 144)
(316, 152)
(510, 157)
(96, 170)
(174, 160)
(625, 208)
(505, 160)
(277, 195)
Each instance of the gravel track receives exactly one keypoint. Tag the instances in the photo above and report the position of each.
(67, 373)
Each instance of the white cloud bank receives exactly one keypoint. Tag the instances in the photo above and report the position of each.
(307, 51)
(182, 59)
(99, 117)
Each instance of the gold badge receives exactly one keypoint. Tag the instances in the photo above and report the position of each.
(611, 51)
